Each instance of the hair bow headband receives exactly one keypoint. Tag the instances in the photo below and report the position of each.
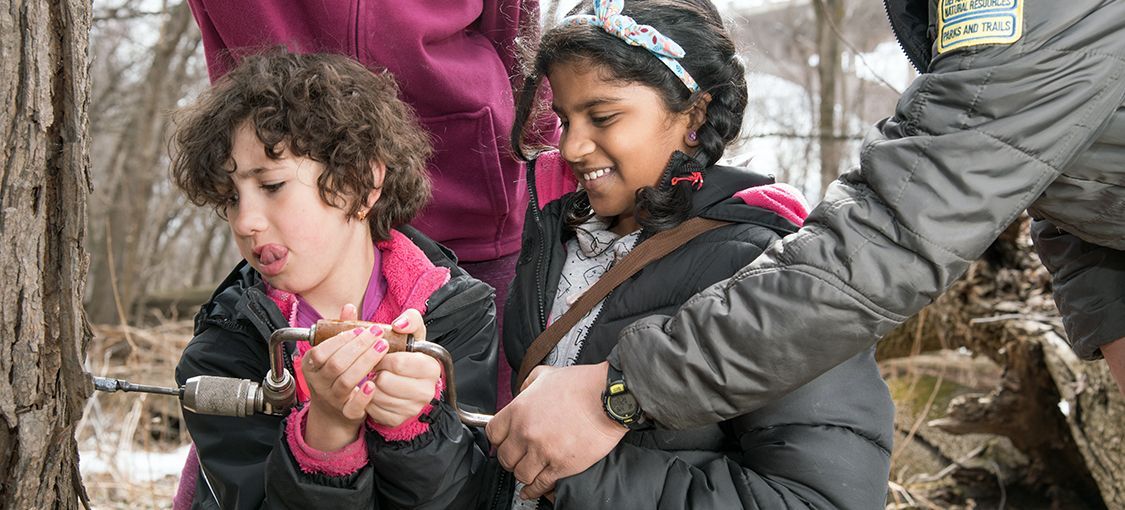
(607, 15)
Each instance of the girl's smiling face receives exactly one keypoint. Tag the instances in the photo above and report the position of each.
(289, 234)
(618, 137)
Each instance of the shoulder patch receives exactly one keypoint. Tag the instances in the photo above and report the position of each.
(965, 23)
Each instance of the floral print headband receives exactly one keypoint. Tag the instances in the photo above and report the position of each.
(607, 15)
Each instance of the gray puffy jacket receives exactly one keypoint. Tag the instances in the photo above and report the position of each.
(987, 132)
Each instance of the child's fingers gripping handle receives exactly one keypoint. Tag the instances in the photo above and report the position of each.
(325, 329)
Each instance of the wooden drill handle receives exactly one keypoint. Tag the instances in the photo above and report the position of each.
(325, 329)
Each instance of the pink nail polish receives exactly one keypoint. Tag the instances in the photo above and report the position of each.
(375, 330)
(368, 388)
(357, 331)
(401, 322)
(363, 381)
(380, 346)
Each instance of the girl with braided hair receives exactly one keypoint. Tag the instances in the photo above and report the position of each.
(649, 94)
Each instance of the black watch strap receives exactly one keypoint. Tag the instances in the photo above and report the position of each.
(620, 404)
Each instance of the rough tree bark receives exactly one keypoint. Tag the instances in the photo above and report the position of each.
(1074, 456)
(43, 190)
(1096, 413)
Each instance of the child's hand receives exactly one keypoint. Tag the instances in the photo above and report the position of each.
(337, 371)
(404, 381)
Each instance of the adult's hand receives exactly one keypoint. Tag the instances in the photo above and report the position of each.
(555, 428)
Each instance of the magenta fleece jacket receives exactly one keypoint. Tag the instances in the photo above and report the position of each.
(452, 59)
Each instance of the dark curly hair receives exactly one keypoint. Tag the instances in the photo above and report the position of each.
(328, 108)
(711, 59)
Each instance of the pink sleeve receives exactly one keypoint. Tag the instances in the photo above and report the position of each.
(189, 476)
(411, 428)
(342, 462)
(503, 22)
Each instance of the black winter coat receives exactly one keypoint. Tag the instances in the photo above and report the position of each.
(826, 445)
(246, 463)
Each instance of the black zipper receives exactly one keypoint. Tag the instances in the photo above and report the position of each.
(594, 318)
(260, 314)
(355, 32)
(533, 201)
(902, 36)
(501, 484)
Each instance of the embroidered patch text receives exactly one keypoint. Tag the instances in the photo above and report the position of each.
(965, 23)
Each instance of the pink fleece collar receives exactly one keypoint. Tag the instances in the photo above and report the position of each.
(782, 199)
(411, 278)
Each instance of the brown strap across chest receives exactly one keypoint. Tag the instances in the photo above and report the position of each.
(645, 253)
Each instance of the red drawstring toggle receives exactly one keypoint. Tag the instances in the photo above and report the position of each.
(695, 178)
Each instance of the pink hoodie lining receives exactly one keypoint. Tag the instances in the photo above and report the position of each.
(411, 278)
(553, 178)
(782, 199)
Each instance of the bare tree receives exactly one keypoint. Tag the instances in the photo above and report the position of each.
(829, 14)
(136, 201)
(820, 93)
(44, 185)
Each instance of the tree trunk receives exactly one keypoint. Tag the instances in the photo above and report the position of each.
(1095, 414)
(1024, 408)
(44, 185)
(829, 15)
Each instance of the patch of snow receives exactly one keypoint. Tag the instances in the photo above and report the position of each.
(134, 465)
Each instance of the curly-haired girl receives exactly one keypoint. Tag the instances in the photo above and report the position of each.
(317, 166)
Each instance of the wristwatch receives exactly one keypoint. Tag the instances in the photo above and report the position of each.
(620, 405)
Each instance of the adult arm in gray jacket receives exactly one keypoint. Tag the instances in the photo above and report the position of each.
(972, 144)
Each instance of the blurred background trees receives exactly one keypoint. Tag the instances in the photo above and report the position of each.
(145, 239)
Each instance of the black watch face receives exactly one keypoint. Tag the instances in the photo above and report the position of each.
(623, 405)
